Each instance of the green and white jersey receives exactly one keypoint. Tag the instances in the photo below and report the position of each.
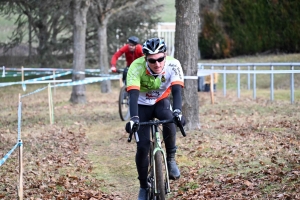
(153, 87)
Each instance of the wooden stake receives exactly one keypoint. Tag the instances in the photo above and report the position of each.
(49, 102)
(22, 74)
(54, 81)
(20, 191)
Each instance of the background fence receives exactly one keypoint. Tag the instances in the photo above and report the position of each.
(251, 70)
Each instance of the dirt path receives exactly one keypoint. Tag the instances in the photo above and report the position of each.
(113, 156)
(113, 161)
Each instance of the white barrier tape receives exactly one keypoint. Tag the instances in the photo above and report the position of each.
(12, 74)
(2, 161)
(35, 80)
(36, 91)
(86, 81)
(47, 69)
(43, 78)
(48, 77)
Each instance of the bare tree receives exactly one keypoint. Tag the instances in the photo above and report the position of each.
(46, 20)
(103, 12)
(80, 8)
(186, 51)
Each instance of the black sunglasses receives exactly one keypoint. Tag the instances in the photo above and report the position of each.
(151, 60)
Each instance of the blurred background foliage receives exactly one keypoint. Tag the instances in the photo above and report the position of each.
(248, 27)
(227, 29)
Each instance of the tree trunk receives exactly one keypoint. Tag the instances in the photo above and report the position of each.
(80, 11)
(103, 56)
(43, 48)
(186, 51)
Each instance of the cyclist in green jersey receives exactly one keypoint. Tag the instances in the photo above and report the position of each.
(150, 81)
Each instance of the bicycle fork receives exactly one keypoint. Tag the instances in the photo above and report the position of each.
(158, 149)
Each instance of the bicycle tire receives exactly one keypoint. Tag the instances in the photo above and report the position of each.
(160, 177)
(124, 104)
(151, 185)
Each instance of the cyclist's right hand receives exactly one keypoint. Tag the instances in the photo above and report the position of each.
(113, 69)
(133, 125)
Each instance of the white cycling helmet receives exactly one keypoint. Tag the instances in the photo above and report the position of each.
(154, 46)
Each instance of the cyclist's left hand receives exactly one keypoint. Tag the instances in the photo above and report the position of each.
(133, 125)
(179, 117)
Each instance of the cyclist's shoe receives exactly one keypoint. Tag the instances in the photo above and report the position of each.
(174, 172)
(143, 194)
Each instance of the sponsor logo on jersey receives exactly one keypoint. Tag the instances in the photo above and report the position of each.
(152, 95)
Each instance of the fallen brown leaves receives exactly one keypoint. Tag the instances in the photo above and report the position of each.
(245, 150)
(55, 168)
(239, 155)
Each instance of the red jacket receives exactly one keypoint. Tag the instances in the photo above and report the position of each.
(129, 56)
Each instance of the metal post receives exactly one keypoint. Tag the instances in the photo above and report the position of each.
(224, 82)
(272, 84)
(292, 86)
(248, 78)
(212, 88)
(50, 102)
(254, 82)
(238, 83)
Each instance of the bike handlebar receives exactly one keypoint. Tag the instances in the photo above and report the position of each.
(119, 71)
(174, 120)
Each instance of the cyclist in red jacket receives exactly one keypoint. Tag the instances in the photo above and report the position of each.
(132, 51)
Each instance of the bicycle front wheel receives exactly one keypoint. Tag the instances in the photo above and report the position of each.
(124, 104)
(160, 177)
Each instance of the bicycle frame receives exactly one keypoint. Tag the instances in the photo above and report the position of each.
(155, 150)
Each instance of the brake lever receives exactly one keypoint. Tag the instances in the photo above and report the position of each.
(178, 123)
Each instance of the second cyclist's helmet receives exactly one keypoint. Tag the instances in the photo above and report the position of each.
(133, 40)
(154, 46)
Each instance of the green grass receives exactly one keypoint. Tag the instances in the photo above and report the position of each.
(169, 12)
(7, 27)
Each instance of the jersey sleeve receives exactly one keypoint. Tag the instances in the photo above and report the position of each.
(177, 77)
(118, 54)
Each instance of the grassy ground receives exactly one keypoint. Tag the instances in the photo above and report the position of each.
(7, 28)
(169, 12)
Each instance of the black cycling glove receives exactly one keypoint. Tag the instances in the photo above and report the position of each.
(179, 118)
(133, 125)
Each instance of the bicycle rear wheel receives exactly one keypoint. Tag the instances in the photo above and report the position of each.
(124, 104)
